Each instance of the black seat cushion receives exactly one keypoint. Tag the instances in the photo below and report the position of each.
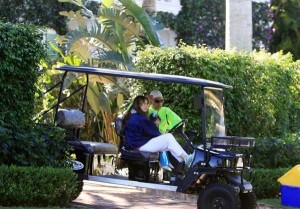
(127, 151)
(95, 147)
(137, 155)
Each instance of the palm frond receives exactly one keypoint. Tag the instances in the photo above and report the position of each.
(110, 16)
(123, 46)
(111, 56)
(106, 37)
(143, 18)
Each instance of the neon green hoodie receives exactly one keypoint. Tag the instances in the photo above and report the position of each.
(168, 118)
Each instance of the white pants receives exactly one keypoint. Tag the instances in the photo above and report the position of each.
(165, 142)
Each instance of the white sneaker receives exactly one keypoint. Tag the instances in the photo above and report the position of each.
(188, 159)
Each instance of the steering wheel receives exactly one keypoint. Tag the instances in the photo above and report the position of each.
(178, 127)
(188, 136)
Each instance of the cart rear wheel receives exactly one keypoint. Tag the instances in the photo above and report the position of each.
(248, 200)
(218, 196)
(80, 186)
(138, 172)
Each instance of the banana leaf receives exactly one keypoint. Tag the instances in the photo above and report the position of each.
(144, 19)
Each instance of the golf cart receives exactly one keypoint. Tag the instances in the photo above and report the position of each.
(216, 174)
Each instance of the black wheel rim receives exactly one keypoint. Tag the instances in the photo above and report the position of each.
(218, 203)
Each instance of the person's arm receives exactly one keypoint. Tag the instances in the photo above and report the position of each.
(149, 128)
(172, 118)
(139, 130)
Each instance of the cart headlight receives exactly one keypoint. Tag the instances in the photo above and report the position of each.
(225, 163)
(240, 162)
(231, 163)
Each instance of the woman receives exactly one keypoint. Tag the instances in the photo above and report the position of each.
(142, 134)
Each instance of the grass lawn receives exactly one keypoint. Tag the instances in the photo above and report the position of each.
(274, 203)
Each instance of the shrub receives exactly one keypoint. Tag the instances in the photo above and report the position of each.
(21, 51)
(265, 183)
(33, 146)
(43, 186)
(277, 153)
(263, 101)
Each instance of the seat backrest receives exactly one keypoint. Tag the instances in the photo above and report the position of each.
(119, 126)
(70, 118)
(120, 130)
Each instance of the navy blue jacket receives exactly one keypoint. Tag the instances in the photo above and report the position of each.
(139, 130)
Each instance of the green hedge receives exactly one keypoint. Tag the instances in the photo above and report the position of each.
(21, 51)
(264, 100)
(265, 182)
(43, 186)
(277, 152)
(33, 146)
(46, 186)
(21, 142)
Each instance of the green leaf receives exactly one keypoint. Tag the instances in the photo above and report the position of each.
(71, 76)
(102, 79)
(104, 102)
(120, 100)
(92, 97)
(56, 49)
(144, 19)
(107, 3)
(122, 43)
(69, 1)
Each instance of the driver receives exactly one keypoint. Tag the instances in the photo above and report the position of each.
(144, 135)
(168, 118)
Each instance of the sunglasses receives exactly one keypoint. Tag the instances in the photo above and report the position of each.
(158, 101)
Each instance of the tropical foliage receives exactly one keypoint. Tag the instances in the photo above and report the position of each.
(107, 39)
(111, 36)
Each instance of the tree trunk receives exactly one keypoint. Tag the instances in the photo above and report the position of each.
(150, 7)
(238, 25)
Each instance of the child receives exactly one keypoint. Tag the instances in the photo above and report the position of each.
(164, 158)
(155, 118)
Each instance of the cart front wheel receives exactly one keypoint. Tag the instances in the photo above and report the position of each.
(218, 196)
(248, 200)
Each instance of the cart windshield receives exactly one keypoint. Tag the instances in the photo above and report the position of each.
(215, 121)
